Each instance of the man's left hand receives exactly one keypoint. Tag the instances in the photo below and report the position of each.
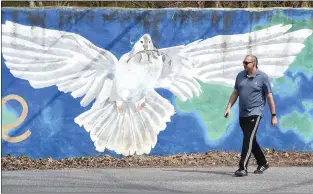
(274, 121)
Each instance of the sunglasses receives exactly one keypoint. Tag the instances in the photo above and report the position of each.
(246, 62)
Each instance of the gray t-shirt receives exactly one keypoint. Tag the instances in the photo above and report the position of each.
(252, 92)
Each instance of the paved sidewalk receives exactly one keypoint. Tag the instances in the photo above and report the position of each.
(165, 180)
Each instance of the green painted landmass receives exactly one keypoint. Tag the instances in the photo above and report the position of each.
(212, 101)
(308, 105)
(285, 85)
(7, 116)
(302, 123)
(210, 105)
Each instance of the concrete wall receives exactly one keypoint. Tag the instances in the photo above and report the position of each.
(38, 120)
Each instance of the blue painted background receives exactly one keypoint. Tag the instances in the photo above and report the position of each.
(51, 113)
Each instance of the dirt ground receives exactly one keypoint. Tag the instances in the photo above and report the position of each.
(208, 159)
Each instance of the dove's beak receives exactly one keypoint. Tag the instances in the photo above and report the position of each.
(145, 47)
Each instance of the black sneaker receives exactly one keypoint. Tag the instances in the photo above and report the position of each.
(260, 169)
(241, 172)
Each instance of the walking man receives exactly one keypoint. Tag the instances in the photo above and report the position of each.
(253, 87)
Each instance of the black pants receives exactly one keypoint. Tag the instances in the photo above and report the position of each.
(249, 127)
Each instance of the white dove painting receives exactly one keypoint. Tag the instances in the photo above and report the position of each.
(127, 114)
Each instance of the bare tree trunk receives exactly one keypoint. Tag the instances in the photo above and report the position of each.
(250, 4)
(217, 4)
(35, 4)
(32, 4)
(200, 4)
(305, 4)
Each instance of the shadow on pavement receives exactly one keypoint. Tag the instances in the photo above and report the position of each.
(228, 173)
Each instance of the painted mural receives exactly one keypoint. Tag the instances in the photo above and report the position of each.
(124, 82)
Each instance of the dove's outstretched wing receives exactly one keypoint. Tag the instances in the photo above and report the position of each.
(219, 59)
(48, 57)
(178, 74)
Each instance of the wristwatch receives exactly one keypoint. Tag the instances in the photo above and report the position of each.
(273, 115)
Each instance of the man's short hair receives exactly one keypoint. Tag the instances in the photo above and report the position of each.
(255, 60)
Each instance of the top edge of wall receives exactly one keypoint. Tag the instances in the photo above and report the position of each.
(185, 8)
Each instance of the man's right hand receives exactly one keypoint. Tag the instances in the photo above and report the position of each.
(227, 112)
(232, 100)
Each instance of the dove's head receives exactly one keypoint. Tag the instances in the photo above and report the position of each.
(144, 43)
(143, 51)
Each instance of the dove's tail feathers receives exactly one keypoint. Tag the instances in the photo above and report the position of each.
(128, 131)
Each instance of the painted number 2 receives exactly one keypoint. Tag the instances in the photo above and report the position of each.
(17, 122)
